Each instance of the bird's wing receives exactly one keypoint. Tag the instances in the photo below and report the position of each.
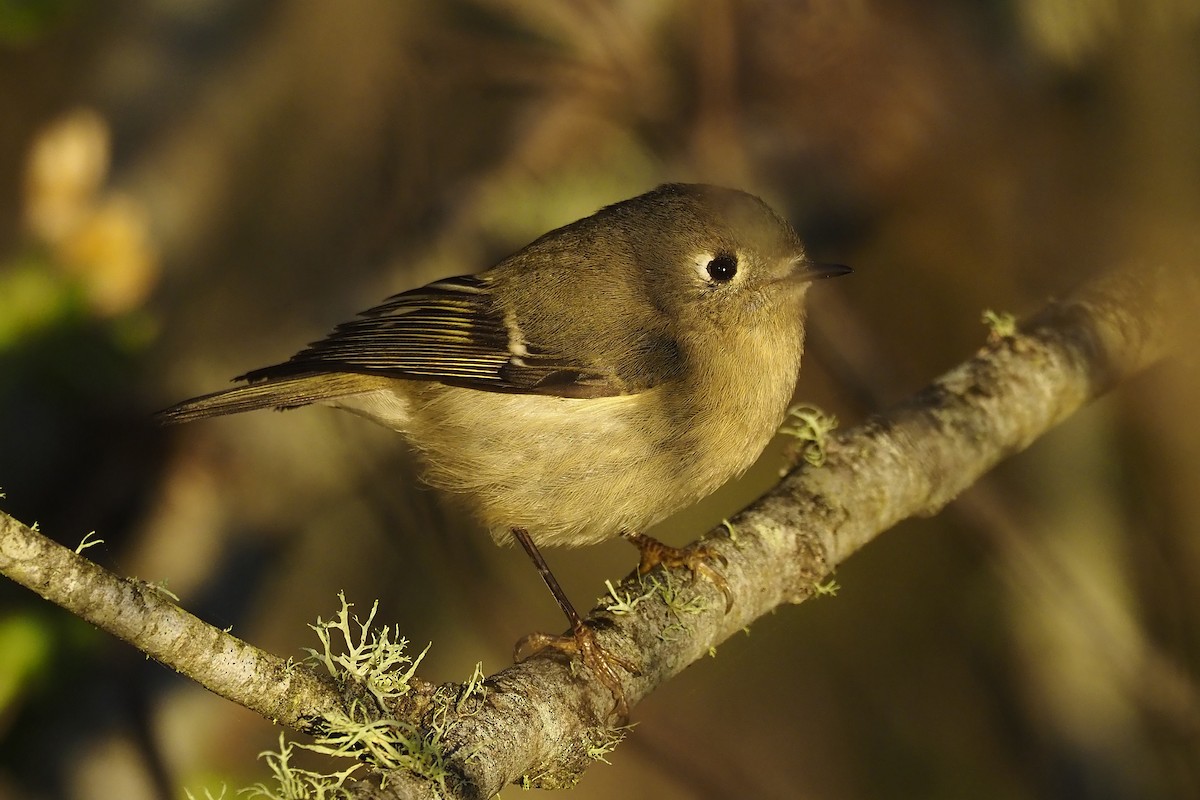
(451, 331)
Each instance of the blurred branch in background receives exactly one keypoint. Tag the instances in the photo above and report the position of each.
(536, 722)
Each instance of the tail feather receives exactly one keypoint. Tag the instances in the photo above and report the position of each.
(279, 394)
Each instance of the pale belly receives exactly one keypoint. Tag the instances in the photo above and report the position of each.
(579, 471)
(575, 472)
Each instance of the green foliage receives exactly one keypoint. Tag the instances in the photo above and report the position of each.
(26, 647)
(34, 297)
(25, 22)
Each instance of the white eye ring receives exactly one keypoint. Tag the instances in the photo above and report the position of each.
(725, 272)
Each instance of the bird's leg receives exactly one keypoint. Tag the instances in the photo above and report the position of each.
(581, 641)
(694, 557)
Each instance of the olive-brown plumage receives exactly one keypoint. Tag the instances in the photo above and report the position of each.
(606, 375)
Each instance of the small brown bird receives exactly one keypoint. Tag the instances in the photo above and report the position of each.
(605, 376)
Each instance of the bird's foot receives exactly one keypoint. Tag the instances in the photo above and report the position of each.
(582, 642)
(696, 558)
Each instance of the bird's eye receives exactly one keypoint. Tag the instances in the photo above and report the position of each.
(722, 268)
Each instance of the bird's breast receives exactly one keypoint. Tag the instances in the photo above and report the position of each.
(579, 471)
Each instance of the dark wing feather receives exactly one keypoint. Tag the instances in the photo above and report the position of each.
(452, 332)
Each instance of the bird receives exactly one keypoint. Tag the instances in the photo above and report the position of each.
(608, 374)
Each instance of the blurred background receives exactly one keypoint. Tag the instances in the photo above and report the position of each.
(191, 189)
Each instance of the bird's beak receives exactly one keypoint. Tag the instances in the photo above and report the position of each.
(804, 270)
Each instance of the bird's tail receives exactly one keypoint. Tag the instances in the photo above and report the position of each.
(277, 393)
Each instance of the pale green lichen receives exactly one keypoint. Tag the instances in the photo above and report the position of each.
(1001, 324)
(473, 693)
(86, 542)
(603, 741)
(294, 783)
(594, 743)
(677, 604)
(829, 588)
(375, 659)
(386, 743)
(622, 604)
(811, 427)
(159, 587)
(673, 597)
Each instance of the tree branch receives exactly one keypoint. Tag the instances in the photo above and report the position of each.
(144, 616)
(538, 721)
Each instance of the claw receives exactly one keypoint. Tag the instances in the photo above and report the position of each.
(582, 642)
(695, 558)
